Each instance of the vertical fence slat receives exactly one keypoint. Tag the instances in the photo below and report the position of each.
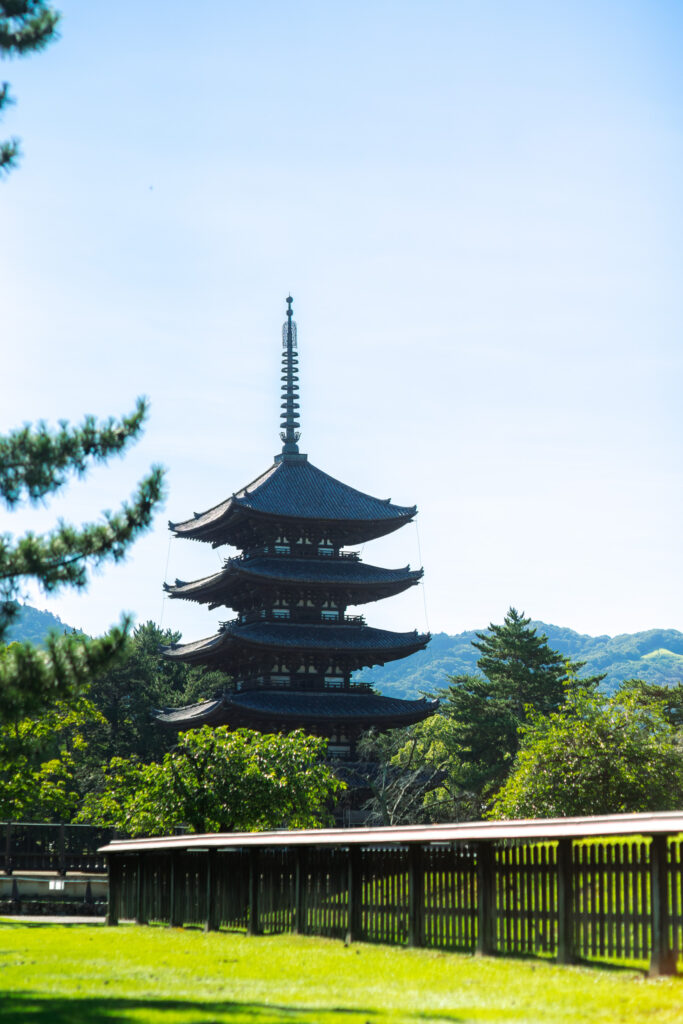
(662, 956)
(604, 898)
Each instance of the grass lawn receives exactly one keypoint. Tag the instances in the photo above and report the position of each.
(88, 973)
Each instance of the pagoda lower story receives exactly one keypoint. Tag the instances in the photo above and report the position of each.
(292, 648)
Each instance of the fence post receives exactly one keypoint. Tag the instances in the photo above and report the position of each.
(565, 903)
(486, 900)
(253, 921)
(176, 913)
(355, 895)
(114, 875)
(8, 849)
(212, 910)
(300, 891)
(140, 894)
(662, 957)
(416, 895)
(61, 855)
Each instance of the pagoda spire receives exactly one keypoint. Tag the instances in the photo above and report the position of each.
(289, 417)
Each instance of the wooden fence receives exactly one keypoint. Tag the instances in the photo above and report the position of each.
(30, 846)
(603, 889)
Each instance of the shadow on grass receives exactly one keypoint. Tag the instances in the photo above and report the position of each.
(37, 1008)
(50, 922)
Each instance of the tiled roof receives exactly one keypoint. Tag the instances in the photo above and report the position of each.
(303, 636)
(296, 489)
(301, 707)
(343, 572)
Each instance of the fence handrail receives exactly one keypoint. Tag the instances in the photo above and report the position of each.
(598, 888)
(608, 825)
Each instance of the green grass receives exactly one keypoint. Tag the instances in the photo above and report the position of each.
(59, 974)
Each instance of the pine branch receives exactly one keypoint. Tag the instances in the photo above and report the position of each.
(26, 26)
(32, 678)
(35, 461)
(64, 557)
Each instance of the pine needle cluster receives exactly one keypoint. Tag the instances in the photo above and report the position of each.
(35, 463)
(26, 26)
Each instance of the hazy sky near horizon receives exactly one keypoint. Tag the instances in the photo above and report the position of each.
(477, 207)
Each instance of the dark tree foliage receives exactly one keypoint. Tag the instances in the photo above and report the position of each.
(395, 776)
(25, 27)
(127, 695)
(520, 673)
(35, 463)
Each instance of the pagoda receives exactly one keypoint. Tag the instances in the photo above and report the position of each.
(291, 648)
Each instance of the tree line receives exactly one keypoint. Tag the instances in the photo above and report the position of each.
(529, 736)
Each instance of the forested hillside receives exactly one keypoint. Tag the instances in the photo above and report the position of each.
(655, 655)
(32, 626)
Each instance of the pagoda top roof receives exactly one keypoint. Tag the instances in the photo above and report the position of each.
(301, 708)
(294, 489)
(343, 572)
(379, 644)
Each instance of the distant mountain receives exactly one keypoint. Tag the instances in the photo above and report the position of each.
(33, 625)
(655, 655)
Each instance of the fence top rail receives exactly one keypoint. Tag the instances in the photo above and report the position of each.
(666, 823)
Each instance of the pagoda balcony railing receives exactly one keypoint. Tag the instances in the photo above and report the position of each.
(294, 552)
(300, 618)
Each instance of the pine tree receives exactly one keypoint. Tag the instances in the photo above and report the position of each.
(520, 672)
(34, 463)
(520, 665)
(25, 26)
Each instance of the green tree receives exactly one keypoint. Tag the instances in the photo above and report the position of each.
(668, 699)
(127, 695)
(34, 463)
(595, 755)
(219, 781)
(520, 673)
(414, 774)
(39, 762)
(25, 27)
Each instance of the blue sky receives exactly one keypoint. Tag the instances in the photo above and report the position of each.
(477, 208)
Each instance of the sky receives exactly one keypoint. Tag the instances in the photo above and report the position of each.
(477, 207)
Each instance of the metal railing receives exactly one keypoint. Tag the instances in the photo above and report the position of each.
(603, 889)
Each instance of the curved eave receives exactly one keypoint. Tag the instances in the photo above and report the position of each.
(366, 645)
(367, 584)
(293, 492)
(262, 707)
(228, 528)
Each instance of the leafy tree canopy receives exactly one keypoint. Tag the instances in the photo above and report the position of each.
(219, 781)
(25, 27)
(34, 463)
(40, 760)
(595, 755)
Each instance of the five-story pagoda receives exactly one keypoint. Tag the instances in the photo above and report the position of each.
(291, 649)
